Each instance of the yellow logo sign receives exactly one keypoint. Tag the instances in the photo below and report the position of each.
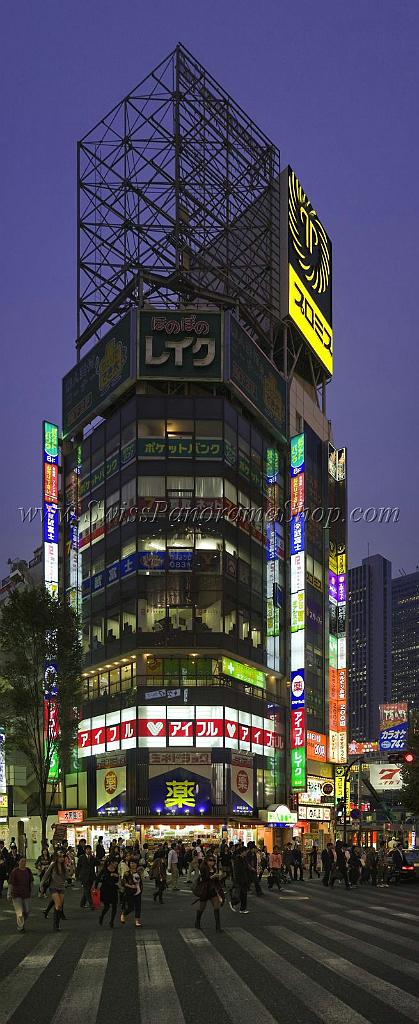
(109, 368)
(180, 794)
(310, 320)
(309, 238)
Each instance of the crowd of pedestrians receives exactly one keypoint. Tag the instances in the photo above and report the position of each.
(216, 874)
(354, 865)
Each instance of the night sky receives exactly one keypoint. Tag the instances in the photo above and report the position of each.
(335, 85)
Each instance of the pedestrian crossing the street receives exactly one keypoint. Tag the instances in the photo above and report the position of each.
(314, 960)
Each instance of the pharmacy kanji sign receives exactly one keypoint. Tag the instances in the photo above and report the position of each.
(178, 790)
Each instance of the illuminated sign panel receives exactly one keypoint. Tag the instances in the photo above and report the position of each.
(306, 270)
(246, 673)
(337, 625)
(298, 611)
(152, 726)
(394, 726)
(50, 454)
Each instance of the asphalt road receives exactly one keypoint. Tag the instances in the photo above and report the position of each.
(306, 955)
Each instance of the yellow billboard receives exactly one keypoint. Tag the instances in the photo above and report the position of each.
(306, 270)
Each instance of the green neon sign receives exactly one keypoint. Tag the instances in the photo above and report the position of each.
(298, 769)
(245, 673)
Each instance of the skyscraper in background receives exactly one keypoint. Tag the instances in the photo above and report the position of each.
(369, 645)
(405, 599)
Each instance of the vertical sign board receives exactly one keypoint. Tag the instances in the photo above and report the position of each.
(50, 459)
(3, 786)
(338, 742)
(50, 505)
(297, 576)
(273, 549)
(306, 270)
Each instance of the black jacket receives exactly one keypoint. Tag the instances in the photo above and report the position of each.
(86, 870)
(241, 872)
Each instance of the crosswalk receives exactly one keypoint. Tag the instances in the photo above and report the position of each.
(334, 958)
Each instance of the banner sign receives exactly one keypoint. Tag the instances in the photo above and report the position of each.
(185, 345)
(179, 790)
(101, 376)
(241, 789)
(152, 725)
(394, 726)
(256, 379)
(306, 269)
(111, 790)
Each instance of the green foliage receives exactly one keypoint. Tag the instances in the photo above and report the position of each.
(36, 629)
(410, 777)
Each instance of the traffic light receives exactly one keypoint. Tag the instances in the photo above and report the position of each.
(402, 757)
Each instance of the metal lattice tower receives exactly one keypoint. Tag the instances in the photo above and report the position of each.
(178, 203)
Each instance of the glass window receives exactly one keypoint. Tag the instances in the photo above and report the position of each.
(180, 485)
(182, 428)
(112, 626)
(230, 492)
(208, 487)
(208, 428)
(128, 433)
(151, 428)
(151, 486)
(129, 619)
(128, 493)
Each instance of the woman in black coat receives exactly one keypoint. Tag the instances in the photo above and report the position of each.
(210, 888)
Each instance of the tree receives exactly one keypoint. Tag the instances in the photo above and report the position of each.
(40, 685)
(410, 779)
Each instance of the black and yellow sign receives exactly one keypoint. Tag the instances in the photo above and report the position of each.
(306, 269)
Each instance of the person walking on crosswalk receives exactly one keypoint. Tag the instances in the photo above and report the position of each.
(172, 866)
(109, 891)
(210, 888)
(133, 886)
(55, 879)
(20, 887)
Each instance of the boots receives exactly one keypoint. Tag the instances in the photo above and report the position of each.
(49, 907)
(198, 919)
(56, 925)
(218, 927)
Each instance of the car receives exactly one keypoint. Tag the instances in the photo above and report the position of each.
(410, 869)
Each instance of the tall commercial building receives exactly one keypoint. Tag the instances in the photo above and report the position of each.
(369, 645)
(405, 595)
(195, 436)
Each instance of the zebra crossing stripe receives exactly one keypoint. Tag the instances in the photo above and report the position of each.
(392, 995)
(396, 913)
(8, 940)
(328, 1008)
(398, 963)
(405, 925)
(18, 984)
(374, 929)
(157, 994)
(238, 1000)
(82, 996)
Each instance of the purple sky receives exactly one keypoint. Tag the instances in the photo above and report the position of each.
(336, 86)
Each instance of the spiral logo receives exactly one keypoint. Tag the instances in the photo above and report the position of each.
(309, 238)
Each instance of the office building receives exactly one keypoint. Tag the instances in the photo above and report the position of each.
(405, 639)
(194, 435)
(369, 645)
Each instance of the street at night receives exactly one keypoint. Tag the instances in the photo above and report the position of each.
(308, 954)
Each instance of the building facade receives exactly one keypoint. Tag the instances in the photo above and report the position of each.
(197, 471)
(369, 645)
(405, 639)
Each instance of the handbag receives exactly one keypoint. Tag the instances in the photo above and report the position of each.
(95, 897)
